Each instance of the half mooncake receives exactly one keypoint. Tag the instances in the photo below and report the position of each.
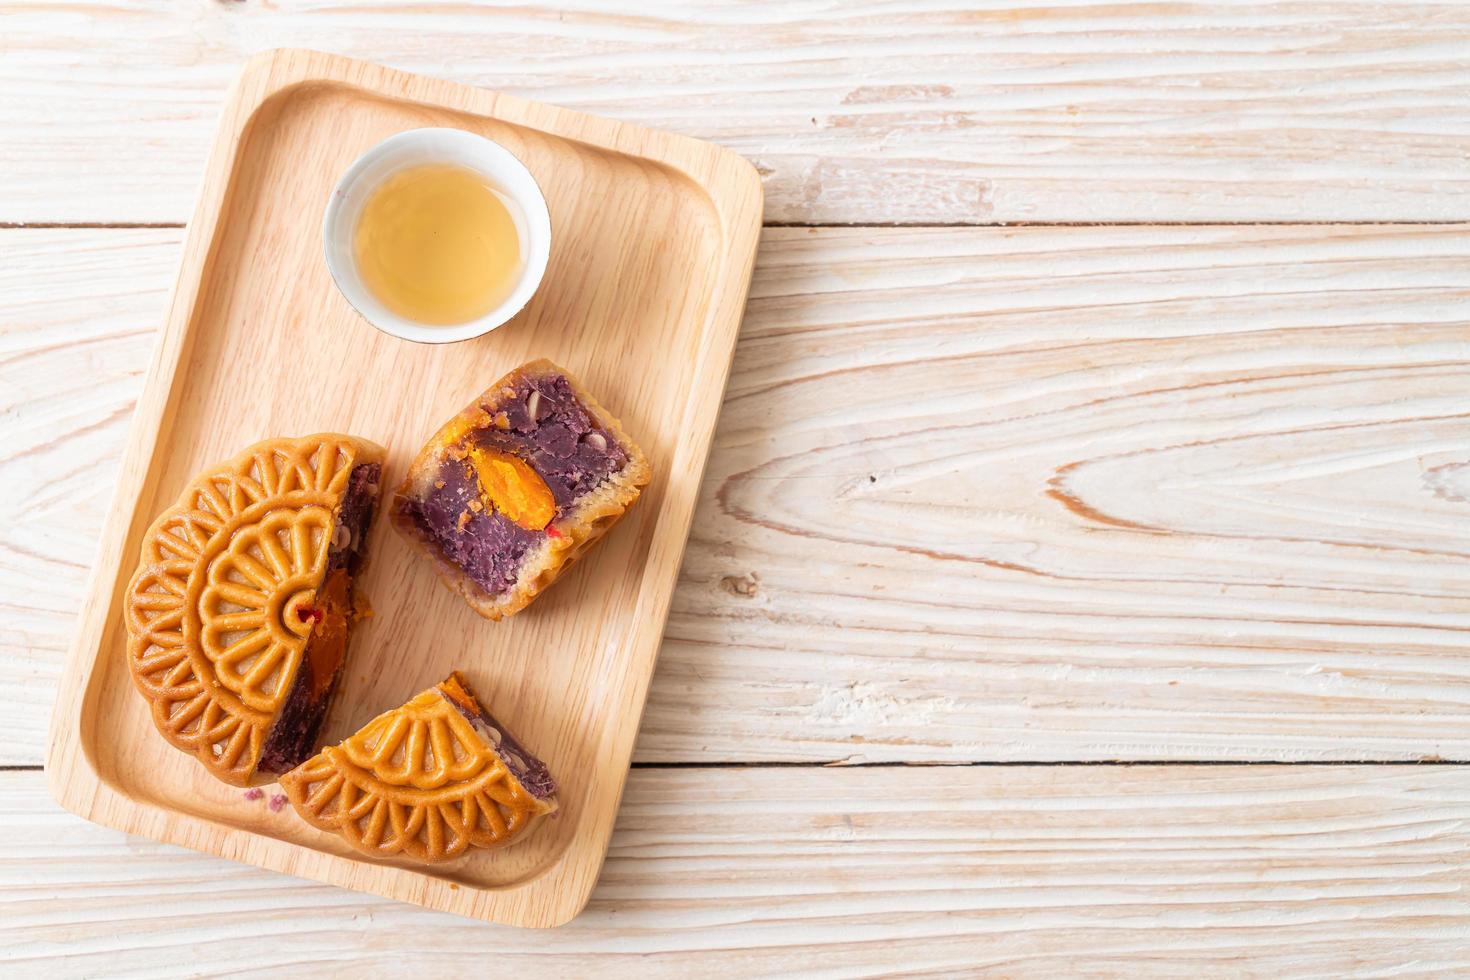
(239, 611)
(518, 485)
(427, 780)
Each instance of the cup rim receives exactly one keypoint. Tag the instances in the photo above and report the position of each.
(497, 161)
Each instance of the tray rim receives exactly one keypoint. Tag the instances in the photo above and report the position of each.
(559, 892)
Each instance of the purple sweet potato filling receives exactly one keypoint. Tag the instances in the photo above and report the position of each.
(531, 771)
(489, 547)
(562, 443)
(293, 737)
(355, 514)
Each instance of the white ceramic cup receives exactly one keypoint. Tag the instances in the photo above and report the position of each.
(501, 170)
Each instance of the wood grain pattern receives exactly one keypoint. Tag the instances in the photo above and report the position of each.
(79, 319)
(1099, 871)
(918, 111)
(1095, 493)
(655, 240)
(1279, 403)
(976, 495)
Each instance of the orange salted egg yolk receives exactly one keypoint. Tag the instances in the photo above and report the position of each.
(513, 488)
(328, 644)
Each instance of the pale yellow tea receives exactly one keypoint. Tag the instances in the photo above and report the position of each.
(437, 245)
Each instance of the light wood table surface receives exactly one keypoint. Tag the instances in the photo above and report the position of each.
(1081, 584)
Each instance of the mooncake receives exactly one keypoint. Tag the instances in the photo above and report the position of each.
(514, 488)
(239, 612)
(427, 781)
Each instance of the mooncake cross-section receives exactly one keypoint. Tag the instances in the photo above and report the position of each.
(239, 612)
(515, 487)
(427, 780)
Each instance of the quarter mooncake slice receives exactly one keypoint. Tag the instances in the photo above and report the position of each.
(518, 485)
(428, 781)
(239, 611)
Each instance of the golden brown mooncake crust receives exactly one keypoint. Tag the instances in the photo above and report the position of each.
(418, 781)
(592, 517)
(214, 641)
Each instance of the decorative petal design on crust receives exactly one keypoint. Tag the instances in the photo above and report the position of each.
(264, 571)
(416, 781)
(213, 639)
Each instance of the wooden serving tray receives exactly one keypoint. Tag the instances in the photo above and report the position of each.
(654, 237)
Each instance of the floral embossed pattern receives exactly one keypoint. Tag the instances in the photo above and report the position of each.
(219, 611)
(419, 781)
